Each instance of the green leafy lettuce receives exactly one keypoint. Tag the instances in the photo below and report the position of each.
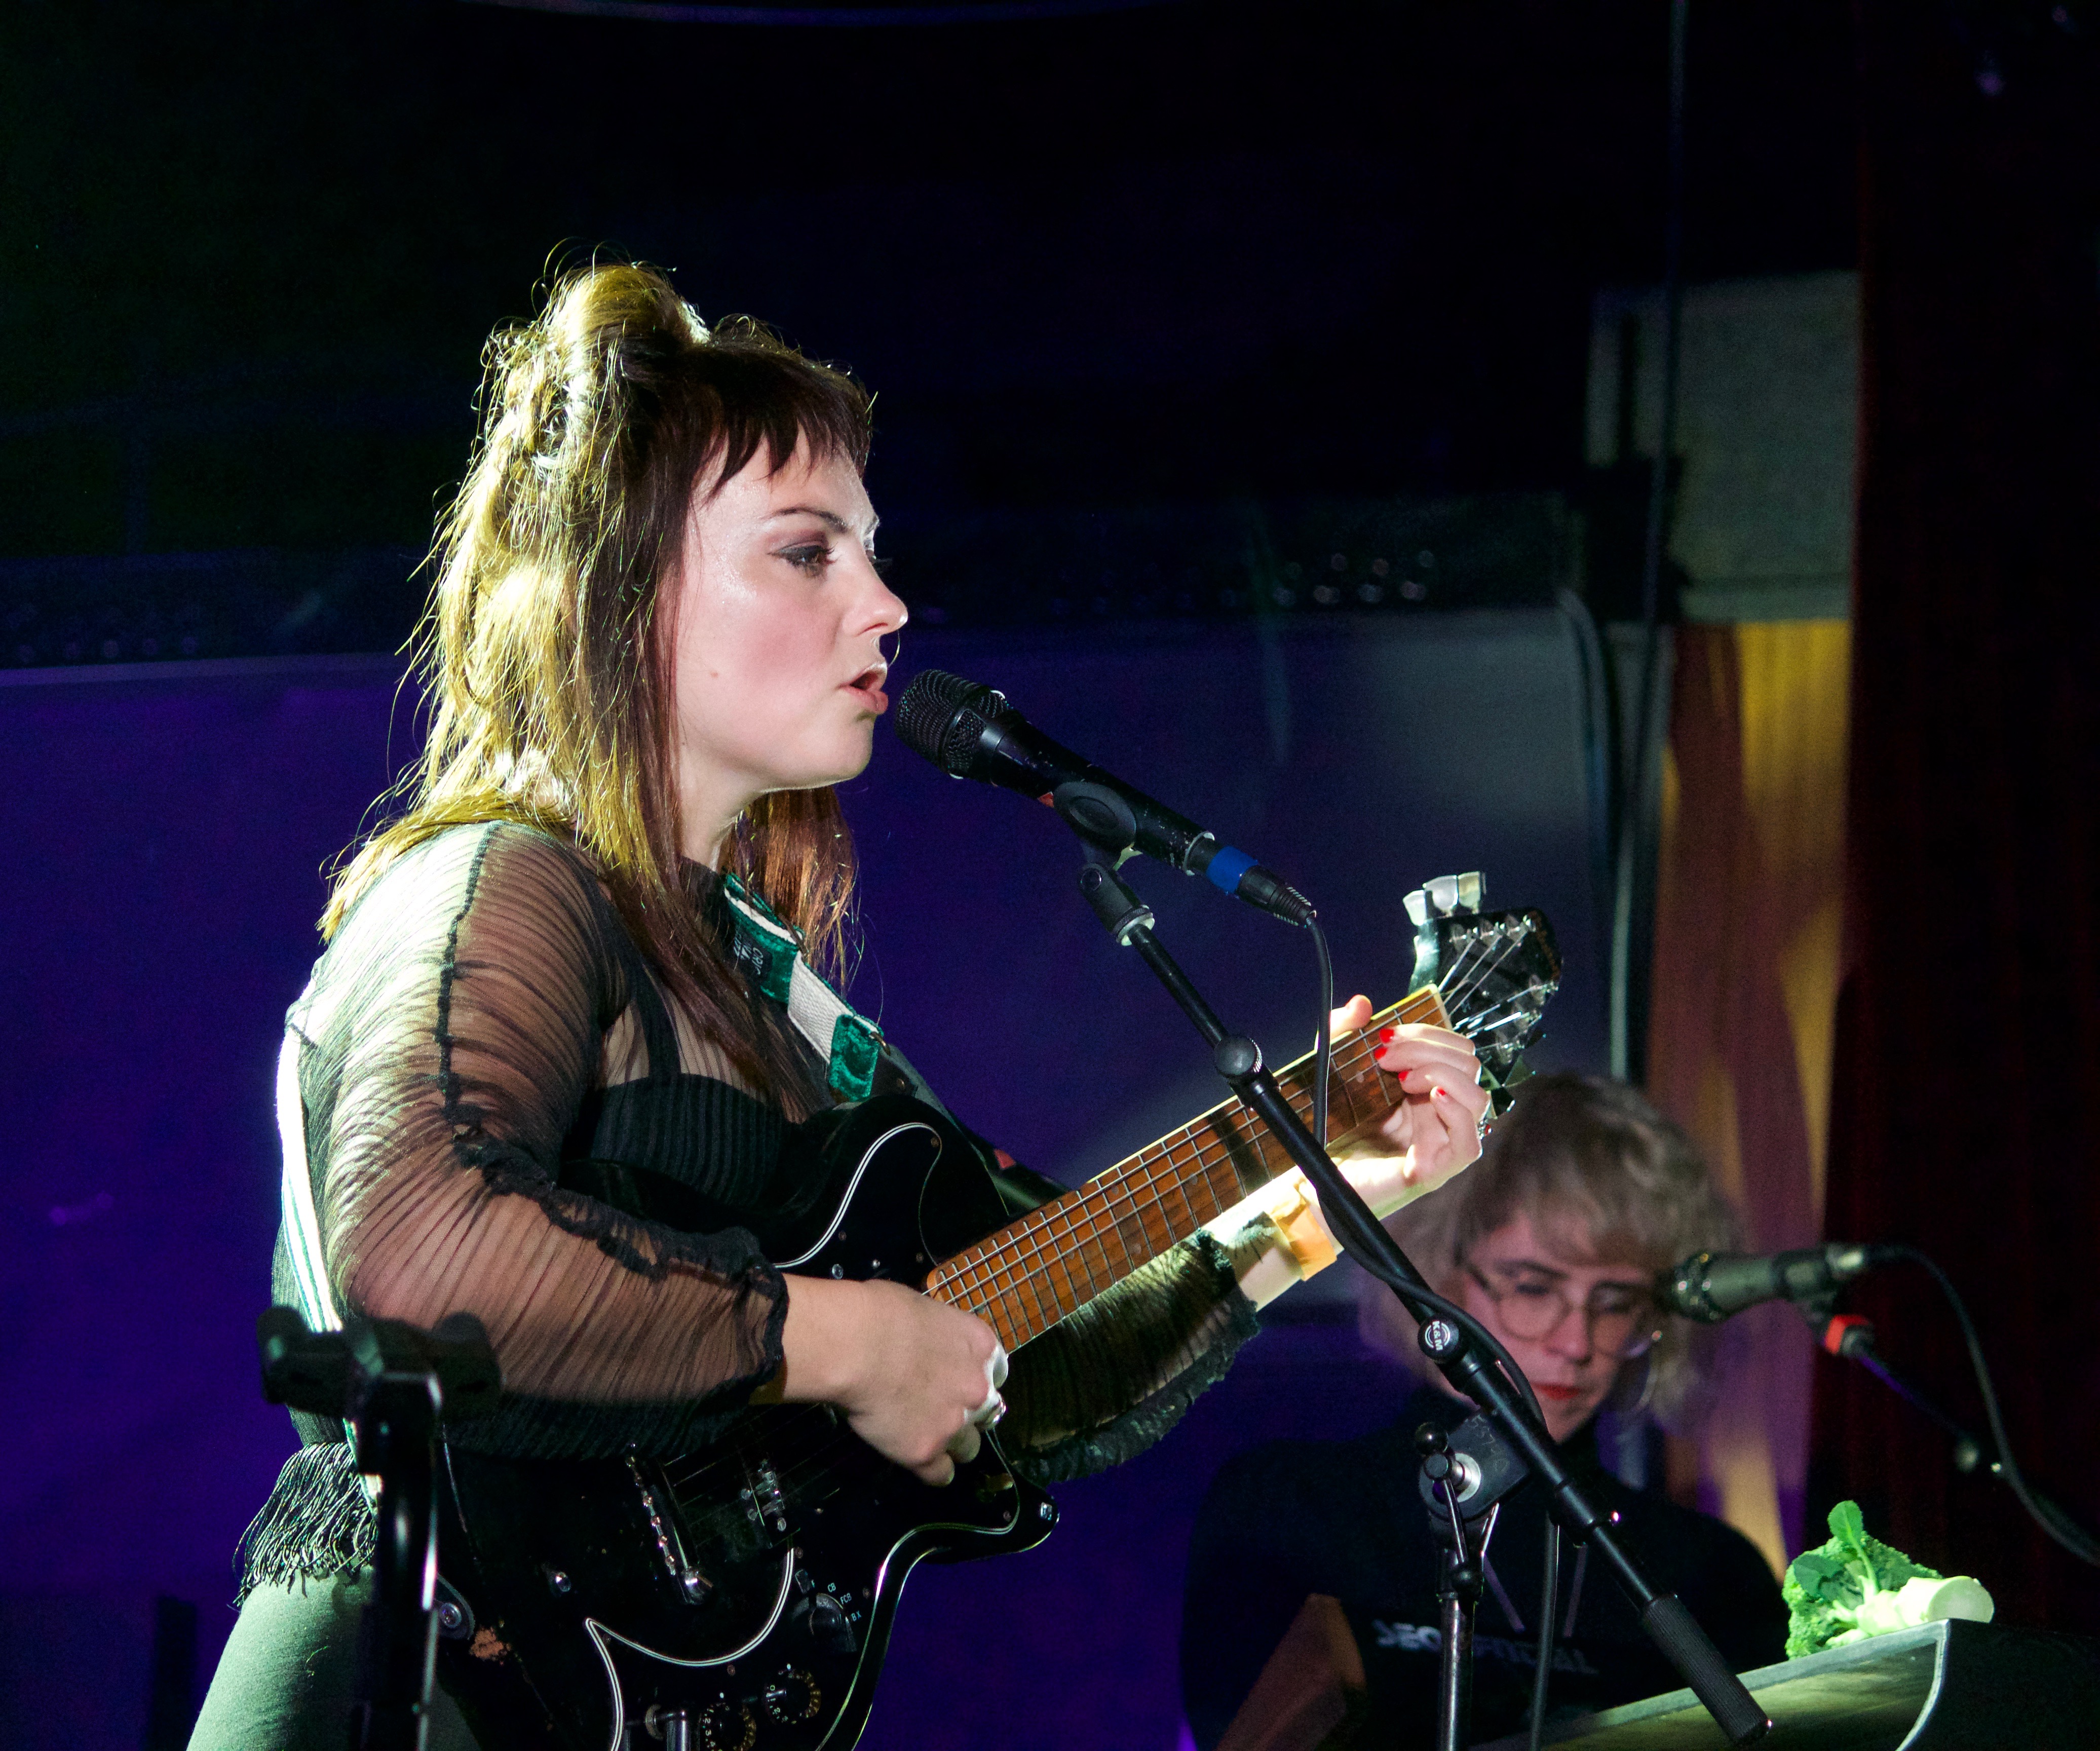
(1846, 1589)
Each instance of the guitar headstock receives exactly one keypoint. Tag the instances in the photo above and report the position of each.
(1495, 972)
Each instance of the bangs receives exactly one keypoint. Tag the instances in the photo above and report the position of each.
(751, 395)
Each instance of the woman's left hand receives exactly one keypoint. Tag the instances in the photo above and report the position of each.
(1432, 1130)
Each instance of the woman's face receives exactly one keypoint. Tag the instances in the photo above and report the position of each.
(1567, 1320)
(779, 616)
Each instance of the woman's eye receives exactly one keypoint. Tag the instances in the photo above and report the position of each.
(1533, 1291)
(810, 559)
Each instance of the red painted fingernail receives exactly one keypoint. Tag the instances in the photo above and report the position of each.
(1385, 1036)
(1445, 1092)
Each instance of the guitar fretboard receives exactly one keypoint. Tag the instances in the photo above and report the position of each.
(1054, 1260)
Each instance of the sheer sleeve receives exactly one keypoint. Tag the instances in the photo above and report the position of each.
(1100, 1386)
(452, 1033)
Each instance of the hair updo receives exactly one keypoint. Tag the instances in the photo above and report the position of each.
(548, 676)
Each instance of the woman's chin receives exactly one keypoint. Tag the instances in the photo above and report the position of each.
(1565, 1416)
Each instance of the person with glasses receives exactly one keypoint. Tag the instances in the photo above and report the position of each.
(1553, 1242)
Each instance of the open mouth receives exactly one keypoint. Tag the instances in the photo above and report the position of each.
(867, 685)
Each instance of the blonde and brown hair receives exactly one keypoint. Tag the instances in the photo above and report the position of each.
(546, 652)
(1606, 1176)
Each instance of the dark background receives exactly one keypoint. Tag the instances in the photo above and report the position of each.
(1122, 281)
(1184, 251)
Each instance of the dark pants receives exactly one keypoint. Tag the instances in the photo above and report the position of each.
(284, 1681)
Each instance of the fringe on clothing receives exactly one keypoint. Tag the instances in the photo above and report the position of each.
(319, 1523)
(1173, 1326)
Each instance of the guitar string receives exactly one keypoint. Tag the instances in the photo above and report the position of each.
(1127, 1187)
(1458, 969)
(1499, 944)
(1130, 1188)
(1077, 1229)
(1093, 1208)
(1463, 992)
(1463, 979)
(1136, 1183)
(1097, 1204)
(1004, 1261)
(1017, 1256)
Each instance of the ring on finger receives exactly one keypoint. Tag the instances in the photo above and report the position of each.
(987, 1414)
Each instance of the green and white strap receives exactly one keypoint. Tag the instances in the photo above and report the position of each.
(303, 1226)
(850, 1044)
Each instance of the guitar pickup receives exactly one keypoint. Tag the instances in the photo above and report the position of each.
(693, 1587)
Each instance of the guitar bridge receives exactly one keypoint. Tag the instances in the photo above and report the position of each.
(765, 1502)
(693, 1587)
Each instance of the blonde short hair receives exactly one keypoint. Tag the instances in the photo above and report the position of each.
(1592, 1163)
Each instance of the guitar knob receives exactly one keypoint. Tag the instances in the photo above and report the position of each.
(727, 1726)
(793, 1697)
(828, 1625)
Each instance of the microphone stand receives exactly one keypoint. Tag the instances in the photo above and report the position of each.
(395, 1385)
(1851, 1336)
(1238, 1059)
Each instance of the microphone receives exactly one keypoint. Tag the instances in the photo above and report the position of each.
(1709, 1286)
(970, 732)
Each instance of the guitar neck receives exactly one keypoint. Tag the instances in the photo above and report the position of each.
(1056, 1260)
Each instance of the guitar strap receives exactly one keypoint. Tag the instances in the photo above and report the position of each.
(849, 1043)
(302, 1227)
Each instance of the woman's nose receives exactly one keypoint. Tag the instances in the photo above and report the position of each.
(1571, 1336)
(881, 610)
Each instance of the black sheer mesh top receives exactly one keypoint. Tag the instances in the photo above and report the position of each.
(481, 1043)
(483, 1053)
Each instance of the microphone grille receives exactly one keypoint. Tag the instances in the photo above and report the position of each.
(941, 717)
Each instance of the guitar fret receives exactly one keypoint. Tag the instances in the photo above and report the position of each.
(1061, 1257)
(1094, 1284)
(1056, 1259)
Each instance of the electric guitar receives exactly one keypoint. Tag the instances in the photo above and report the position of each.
(740, 1597)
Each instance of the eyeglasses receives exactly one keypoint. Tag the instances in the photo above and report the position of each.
(1622, 1320)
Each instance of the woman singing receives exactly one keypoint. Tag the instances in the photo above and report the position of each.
(656, 642)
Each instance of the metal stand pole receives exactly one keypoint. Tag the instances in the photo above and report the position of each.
(397, 1432)
(394, 1385)
(1663, 1616)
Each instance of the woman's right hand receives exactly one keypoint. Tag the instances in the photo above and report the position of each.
(909, 1372)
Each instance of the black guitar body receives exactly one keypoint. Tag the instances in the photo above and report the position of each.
(737, 1598)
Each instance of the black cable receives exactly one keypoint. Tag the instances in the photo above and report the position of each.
(1548, 1596)
(2073, 1537)
(1323, 1051)
(1633, 772)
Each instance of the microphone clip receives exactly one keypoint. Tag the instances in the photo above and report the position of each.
(1119, 910)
